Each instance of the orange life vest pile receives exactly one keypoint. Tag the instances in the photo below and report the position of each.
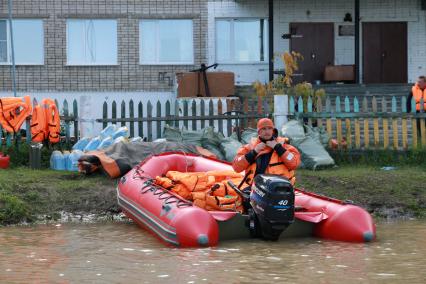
(208, 190)
(45, 122)
(13, 112)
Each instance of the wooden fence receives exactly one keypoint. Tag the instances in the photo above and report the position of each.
(372, 122)
(376, 122)
(226, 115)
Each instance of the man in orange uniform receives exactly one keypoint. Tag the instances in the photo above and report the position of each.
(267, 154)
(418, 91)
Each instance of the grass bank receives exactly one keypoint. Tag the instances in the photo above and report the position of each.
(39, 195)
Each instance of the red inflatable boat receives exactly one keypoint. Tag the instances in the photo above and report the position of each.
(176, 221)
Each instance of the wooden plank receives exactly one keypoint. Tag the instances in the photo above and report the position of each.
(328, 121)
(404, 124)
(131, 115)
(385, 122)
(202, 112)
(318, 108)
(185, 112)
(168, 110)
(394, 126)
(149, 123)
(27, 131)
(357, 125)
(114, 110)
(422, 125)
(229, 108)
(211, 112)
(375, 123)
(158, 123)
(104, 114)
(366, 124)
(194, 114)
(348, 123)
(67, 123)
(123, 112)
(245, 110)
(414, 137)
(140, 123)
(309, 110)
(75, 114)
(291, 106)
(177, 112)
(220, 112)
(338, 122)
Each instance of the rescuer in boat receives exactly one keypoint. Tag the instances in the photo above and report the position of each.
(267, 154)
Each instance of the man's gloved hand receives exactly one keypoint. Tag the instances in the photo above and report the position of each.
(271, 143)
(259, 147)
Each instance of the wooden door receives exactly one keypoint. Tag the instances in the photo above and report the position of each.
(384, 52)
(315, 41)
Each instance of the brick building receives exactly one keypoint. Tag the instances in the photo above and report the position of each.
(119, 46)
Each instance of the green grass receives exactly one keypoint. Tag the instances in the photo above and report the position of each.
(29, 195)
(395, 192)
(26, 194)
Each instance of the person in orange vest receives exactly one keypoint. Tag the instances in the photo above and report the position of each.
(418, 91)
(267, 154)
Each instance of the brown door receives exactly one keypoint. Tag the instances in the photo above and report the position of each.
(315, 41)
(384, 52)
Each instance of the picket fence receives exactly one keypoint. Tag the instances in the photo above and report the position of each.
(373, 122)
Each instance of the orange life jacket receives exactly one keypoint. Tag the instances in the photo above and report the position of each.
(38, 124)
(208, 190)
(275, 166)
(13, 112)
(45, 123)
(418, 94)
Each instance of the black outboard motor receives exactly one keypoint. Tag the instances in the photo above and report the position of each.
(272, 206)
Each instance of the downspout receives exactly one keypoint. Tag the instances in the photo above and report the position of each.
(271, 39)
(357, 79)
(12, 48)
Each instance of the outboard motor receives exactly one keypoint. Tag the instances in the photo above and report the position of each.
(272, 206)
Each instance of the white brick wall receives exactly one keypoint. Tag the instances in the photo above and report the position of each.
(287, 11)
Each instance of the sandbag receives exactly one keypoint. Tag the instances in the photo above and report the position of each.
(229, 147)
(319, 134)
(192, 137)
(248, 134)
(211, 141)
(314, 155)
(172, 134)
(293, 129)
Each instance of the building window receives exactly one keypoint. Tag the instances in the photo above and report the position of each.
(27, 42)
(91, 42)
(241, 40)
(166, 42)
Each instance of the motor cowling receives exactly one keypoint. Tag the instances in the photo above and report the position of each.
(272, 206)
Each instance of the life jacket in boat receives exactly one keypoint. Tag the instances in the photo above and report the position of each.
(418, 94)
(45, 123)
(208, 190)
(13, 112)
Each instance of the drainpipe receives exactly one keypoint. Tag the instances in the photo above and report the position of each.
(357, 79)
(271, 39)
(12, 48)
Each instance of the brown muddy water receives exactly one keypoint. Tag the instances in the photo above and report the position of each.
(124, 253)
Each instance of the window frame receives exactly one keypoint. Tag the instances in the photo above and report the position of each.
(68, 63)
(9, 44)
(231, 47)
(157, 56)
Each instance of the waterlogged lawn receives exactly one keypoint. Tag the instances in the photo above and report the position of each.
(26, 194)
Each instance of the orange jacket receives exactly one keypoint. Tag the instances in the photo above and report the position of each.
(418, 94)
(283, 165)
(208, 190)
(45, 122)
(13, 112)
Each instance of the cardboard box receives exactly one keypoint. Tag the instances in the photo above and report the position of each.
(191, 84)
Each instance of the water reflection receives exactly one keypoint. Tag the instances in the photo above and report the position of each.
(117, 253)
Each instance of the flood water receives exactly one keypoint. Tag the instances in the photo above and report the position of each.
(124, 253)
